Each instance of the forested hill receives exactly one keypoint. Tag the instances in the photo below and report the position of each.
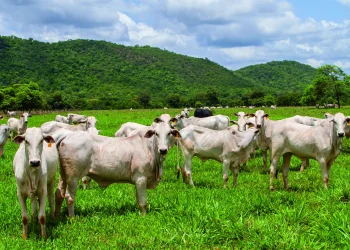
(102, 75)
(280, 76)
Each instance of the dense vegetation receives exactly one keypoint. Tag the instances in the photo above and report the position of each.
(207, 216)
(88, 74)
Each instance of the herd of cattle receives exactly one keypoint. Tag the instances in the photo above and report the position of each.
(137, 152)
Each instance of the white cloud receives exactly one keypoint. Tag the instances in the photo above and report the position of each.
(346, 2)
(314, 62)
(343, 65)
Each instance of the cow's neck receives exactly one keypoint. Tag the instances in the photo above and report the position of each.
(157, 161)
(336, 141)
(33, 179)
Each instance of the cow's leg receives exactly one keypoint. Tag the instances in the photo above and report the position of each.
(187, 170)
(285, 168)
(264, 154)
(25, 216)
(50, 188)
(225, 168)
(72, 186)
(60, 193)
(325, 172)
(42, 204)
(235, 170)
(273, 169)
(304, 164)
(141, 196)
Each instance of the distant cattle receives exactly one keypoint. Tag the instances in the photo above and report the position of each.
(11, 113)
(52, 126)
(61, 118)
(18, 126)
(35, 164)
(329, 105)
(202, 113)
(185, 112)
(75, 118)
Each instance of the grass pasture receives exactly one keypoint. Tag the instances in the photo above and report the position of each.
(207, 216)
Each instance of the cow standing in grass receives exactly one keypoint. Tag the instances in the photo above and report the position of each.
(35, 164)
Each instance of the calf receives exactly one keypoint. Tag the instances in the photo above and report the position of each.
(228, 146)
(35, 165)
(137, 160)
(322, 143)
(4, 134)
(18, 126)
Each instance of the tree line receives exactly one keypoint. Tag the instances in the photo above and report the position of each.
(88, 74)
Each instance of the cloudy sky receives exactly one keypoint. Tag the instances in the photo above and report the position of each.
(233, 33)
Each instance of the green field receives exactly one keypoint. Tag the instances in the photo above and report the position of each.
(207, 216)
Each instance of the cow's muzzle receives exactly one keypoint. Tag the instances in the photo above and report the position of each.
(340, 134)
(34, 163)
(163, 151)
(258, 125)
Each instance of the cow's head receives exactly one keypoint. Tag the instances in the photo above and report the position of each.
(25, 116)
(33, 140)
(164, 135)
(4, 134)
(259, 117)
(340, 124)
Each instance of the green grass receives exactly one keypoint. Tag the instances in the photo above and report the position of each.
(208, 216)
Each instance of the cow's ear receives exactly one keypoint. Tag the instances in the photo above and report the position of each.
(251, 115)
(176, 133)
(49, 139)
(235, 114)
(1, 117)
(250, 125)
(348, 120)
(266, 116)
(173, 120)
(157, 120)
(18, 139)
(233, 122)
(182, 116)
(150, 133)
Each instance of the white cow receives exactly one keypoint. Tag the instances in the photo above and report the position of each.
(61, 118)
(228, 146)
(322, 143)
(11, 113)
(18, 126)
(137, 160)
(91, 122)
(35, 164)
(185, 112)
(75, 118)
(52, 126)
(128, 128)
(4, 134)
(216, 122)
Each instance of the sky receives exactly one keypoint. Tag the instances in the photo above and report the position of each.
(232, 33)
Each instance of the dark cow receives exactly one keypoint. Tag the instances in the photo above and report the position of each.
(202, 113)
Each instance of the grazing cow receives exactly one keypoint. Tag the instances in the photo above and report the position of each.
(18, 127)
(52, 126)
(273, 106)
(322, 143)
(185, 112)
(202, 113)
(217, 122)
(35, 164)
(61, 118)
(75, 118)
(317, 105)
(136, 160)
(4, 134)
(11, 113)
(329, 105)
(228, 146)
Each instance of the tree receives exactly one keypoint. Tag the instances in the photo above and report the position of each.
(332, 81)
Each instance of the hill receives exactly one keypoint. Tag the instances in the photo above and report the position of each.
(280, 76)
(102, 75)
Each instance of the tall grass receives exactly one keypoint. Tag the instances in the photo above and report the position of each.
(207, 216)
